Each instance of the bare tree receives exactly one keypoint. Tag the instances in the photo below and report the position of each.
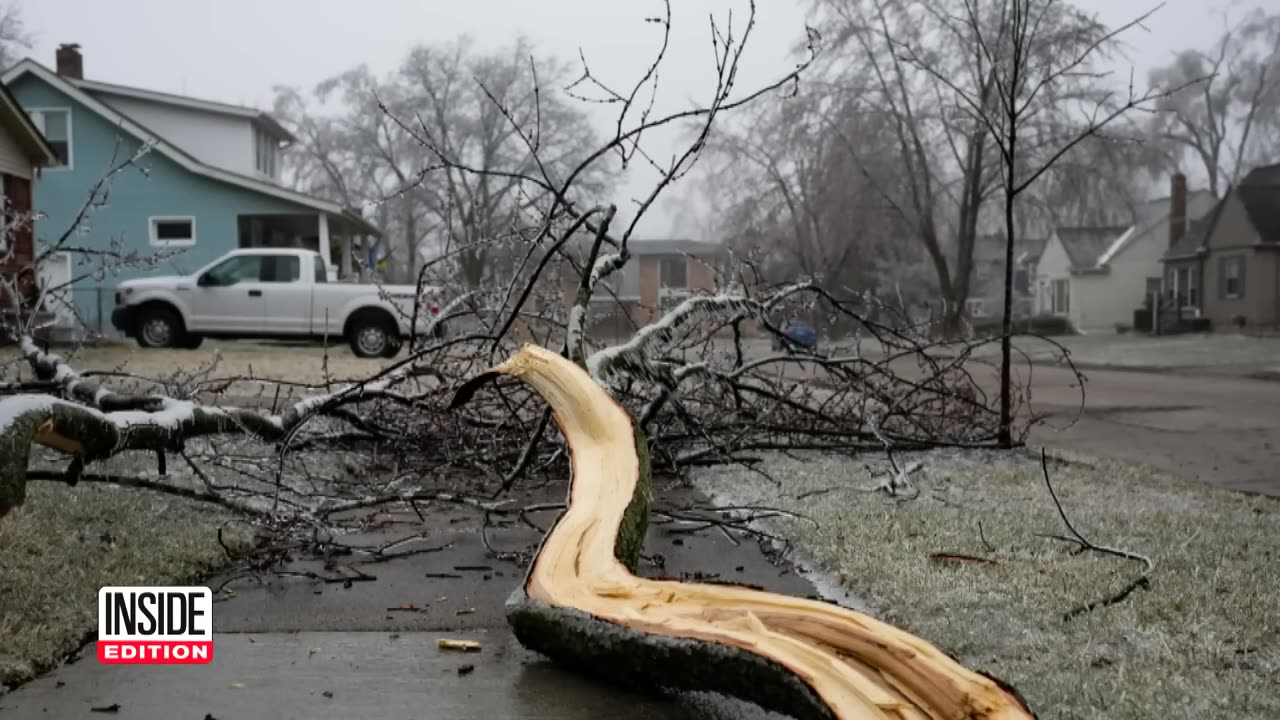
(785, 185)
(14, 37)
(386, 142)
(948, 166)
(1042, 57)
(1223, 103)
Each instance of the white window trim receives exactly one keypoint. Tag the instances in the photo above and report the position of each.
(71, 141)
(156, 242)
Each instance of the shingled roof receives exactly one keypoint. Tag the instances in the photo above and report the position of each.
(1085, 245)
(1194, 239)
(1259, 193)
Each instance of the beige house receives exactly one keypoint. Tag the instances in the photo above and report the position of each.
(1227, 268)
(1098, 276)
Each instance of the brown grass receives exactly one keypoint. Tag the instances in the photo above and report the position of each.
(65, 543)
(292, 363)
(1202, 642)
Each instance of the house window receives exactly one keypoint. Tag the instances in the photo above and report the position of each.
(55, 125)
(173, 231)
(1185, 287)
(266, 153)
(1061, 296)
(674, 273)
(976, 308)
(1231, 277)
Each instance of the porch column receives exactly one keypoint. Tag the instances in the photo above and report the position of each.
(364, 258)
(346, 255)
(325, 250)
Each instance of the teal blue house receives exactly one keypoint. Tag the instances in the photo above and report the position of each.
(149, 183)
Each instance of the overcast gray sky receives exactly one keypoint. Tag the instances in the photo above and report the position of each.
(237, 50)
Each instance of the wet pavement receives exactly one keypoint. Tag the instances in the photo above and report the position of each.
(347, 675)
(310, 644)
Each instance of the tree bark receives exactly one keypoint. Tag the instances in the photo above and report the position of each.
(582, 605)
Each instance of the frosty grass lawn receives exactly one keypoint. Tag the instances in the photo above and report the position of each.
(65, 543)
(1203, 641)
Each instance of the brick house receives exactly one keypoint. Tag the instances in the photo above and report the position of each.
(660, 274)
(23, 151)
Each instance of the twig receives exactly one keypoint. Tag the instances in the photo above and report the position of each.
(1142, 580)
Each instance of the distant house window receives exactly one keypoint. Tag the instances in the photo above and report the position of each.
(1061, 296)
(674, 273)
(1231, 277)
(1184, 286)
(976, 308)
(266, 153)
(55, 125)
(173, 231)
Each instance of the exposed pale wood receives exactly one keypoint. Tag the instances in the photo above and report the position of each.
(859, 667)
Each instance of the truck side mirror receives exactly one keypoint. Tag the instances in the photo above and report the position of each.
(206, 280)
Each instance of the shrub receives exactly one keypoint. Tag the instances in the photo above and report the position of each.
(1047, 325)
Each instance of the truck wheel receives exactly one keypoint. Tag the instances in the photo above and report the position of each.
(393, 347)
(373, 337)
(191, 342)
(159, 327)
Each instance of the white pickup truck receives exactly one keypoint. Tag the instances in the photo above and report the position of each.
(273, 293)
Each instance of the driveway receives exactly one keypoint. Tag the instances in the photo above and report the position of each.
(289, 646)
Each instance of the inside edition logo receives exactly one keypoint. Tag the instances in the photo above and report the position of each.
(155, 625)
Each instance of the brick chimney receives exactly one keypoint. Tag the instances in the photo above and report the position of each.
(1177, 208)
(70, 62)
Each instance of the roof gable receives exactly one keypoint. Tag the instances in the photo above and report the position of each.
(1151, 215)
(19, 126)
(1260, 195)
(1085, 246)
(174, 153)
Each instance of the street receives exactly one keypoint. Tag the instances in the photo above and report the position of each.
(1224, 431)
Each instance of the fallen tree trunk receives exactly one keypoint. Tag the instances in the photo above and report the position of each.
(582, 605)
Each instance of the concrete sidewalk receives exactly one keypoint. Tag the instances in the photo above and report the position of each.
(346, 675)
(294, 646)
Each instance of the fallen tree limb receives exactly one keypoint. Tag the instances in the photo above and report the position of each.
(581, 604)
(1143, 580)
